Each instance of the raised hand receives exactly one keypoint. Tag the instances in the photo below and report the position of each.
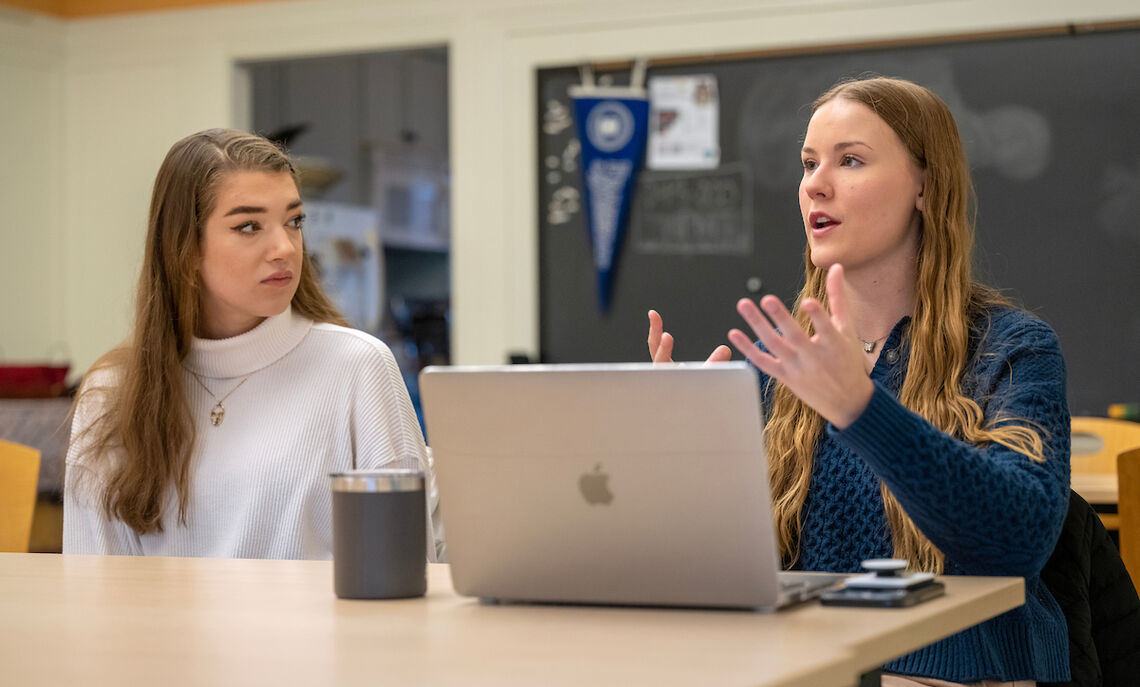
(661, 343)
(825, 369)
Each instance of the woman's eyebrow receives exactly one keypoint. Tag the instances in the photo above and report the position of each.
(255, 209)
(842, 145)
(245, 210)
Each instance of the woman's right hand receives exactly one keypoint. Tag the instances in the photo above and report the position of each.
(661, 343)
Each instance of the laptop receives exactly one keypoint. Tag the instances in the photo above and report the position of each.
(630, 484)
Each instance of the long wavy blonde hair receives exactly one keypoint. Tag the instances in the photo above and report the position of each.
(948, 303)
(144, 416)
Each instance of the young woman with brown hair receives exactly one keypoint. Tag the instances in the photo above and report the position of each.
(912, 412)
(212, 430)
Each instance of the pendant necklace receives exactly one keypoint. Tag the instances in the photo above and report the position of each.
(218, 412)
(869, 346)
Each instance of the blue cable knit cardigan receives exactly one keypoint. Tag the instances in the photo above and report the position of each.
(989, 509)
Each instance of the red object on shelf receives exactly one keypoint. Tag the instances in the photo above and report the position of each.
(32, 381)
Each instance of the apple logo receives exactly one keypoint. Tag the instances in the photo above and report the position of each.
(594, 488)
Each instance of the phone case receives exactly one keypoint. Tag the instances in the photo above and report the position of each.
(883, 598)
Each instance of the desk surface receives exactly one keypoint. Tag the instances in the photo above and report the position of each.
(1096, 487)
(119, 620)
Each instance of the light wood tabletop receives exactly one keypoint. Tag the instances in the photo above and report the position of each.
(97, 620)
(1096, 488)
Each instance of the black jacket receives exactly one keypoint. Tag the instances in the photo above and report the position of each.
(1089, 581)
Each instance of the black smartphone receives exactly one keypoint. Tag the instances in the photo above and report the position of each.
(883, 598)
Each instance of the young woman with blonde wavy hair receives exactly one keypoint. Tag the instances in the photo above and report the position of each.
(912, 412)
(212, 430)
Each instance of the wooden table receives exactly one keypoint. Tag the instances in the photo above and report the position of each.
(1102, 491)
(96, 620)
(1095, 487)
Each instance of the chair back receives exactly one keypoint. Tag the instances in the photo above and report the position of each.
(1128, 474)
(1097, 441)
(1095, 592)
(19, 472)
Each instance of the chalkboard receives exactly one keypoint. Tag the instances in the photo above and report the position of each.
(1051, 125)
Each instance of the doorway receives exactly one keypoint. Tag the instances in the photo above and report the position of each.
(369, 134)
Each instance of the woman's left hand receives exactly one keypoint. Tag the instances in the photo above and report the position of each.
(825, 369)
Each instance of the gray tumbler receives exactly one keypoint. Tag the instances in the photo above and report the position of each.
(379, 534)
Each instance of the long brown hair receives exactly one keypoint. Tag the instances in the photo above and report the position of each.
(948, 303)
(143, 414)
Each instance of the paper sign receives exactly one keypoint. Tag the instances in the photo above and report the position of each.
(684, 122)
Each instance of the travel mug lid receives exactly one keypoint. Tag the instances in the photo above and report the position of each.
(378, 480)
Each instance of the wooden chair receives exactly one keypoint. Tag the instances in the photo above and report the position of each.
(19, 473)
(1128, 473)
(1097, 441)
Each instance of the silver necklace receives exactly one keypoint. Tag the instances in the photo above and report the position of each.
(869, 346)
(218, 412)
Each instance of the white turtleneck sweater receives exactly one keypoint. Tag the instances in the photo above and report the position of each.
(314, 399)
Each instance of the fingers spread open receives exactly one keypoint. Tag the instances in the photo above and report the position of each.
(789, 329)
(837, 295)
(664, 353)
(720, 354)
(820, 319)
(758, 357)
(656, 326)
(762, 327)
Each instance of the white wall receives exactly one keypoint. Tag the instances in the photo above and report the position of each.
(31, 264)
(134, 84)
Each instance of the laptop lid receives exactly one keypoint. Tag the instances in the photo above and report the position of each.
(622, 484)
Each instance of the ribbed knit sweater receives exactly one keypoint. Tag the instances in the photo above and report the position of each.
(989, 509)
(316, 398)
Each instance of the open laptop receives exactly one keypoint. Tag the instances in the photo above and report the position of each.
(610, 484)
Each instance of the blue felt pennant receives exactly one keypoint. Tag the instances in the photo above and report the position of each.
(613, 125)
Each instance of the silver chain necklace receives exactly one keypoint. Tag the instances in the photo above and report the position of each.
(218, 412)
(869, 346)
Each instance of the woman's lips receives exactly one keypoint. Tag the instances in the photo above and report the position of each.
(820, 223)
(824, 230)
(278, 279)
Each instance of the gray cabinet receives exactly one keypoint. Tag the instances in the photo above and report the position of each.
(379, 120)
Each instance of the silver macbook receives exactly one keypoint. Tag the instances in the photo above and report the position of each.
(612, 484)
